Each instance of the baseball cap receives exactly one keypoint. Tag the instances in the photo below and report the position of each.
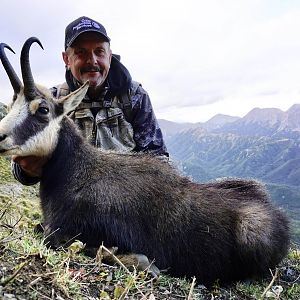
(80, 25)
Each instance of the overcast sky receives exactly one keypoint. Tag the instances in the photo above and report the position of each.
(195, 58)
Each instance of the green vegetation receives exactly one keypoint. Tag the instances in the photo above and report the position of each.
(288, 197)
(3, 110)
(29, 270)
(5, 173)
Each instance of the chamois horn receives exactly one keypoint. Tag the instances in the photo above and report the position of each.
(29, 86)
(12, 75)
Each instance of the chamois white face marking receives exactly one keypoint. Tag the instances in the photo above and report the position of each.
(17, 114)
(32, 127)
(44, 142)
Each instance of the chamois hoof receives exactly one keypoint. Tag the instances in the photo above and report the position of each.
(143, 264)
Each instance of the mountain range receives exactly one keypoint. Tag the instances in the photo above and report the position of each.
(258, 122)
(264, 145)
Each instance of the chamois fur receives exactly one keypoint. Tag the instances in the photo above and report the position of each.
(225, 230)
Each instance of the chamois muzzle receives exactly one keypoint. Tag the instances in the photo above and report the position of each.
(29, 86)
(13, 77)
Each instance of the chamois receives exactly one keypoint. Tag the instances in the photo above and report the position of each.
(226, 230)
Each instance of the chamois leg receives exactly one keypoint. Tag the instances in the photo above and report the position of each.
(132, 260)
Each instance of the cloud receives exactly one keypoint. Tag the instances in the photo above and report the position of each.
(191, 56)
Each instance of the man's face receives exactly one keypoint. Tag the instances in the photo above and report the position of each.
(89, 58)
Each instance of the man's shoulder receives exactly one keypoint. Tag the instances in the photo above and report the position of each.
(137, 92)
(60, 90)
(135, 86)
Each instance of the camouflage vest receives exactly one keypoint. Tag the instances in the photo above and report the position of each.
(109, 129)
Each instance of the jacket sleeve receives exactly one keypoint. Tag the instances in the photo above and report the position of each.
(21, 176)
(147, 133)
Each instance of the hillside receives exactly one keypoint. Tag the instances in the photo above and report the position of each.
(29, 270)
(271, 159)
(3, 109)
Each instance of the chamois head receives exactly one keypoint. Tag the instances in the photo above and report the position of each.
(31, 127)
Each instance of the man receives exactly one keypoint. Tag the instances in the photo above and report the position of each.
(116, 113)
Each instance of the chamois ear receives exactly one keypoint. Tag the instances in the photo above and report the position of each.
(71, 101)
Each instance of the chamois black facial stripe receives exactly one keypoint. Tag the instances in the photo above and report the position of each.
(29, 127)
(58, 109)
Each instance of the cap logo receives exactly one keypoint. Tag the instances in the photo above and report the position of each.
(86, 23)
(96, 25)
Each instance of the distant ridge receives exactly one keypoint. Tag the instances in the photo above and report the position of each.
(259, 121)
(169, 128)
(218, 121)
(266, 116)
(267, 122)
(291, 119)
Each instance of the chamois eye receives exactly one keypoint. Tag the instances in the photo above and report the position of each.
(43, 110)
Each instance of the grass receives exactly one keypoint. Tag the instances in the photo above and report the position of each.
(29, 270)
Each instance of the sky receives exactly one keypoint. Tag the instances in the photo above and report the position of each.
(195, 58)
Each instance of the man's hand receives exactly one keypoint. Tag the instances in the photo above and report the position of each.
(31, 165)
